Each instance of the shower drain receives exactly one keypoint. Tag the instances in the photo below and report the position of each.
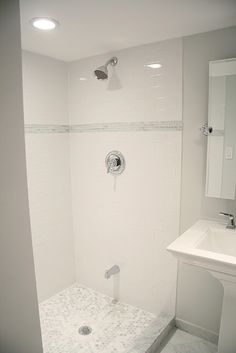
(85, 330)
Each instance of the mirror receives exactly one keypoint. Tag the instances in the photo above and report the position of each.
(221, 130)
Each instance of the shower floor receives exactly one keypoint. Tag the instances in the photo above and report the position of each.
(116, 327)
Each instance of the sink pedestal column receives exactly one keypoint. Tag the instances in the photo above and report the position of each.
(227, 336)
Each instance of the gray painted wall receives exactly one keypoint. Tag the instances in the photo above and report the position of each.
(199, 296)
(19, 322)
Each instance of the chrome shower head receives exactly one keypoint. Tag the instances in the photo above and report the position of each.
(101, 72)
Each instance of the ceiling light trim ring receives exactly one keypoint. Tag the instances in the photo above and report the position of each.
(50, 20)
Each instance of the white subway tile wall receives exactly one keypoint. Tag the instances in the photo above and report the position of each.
(137, 111)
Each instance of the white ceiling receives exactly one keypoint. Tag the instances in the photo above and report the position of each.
(91, 27)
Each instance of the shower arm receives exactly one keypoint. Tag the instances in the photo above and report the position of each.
(113, 61)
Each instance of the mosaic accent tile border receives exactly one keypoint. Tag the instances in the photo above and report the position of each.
(116, 327)
(46, 128)
(171, 125)
(128, 126)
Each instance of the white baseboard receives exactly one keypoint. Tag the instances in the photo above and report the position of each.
(197, 330)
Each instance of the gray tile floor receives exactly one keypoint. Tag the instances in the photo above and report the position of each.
(182, 342)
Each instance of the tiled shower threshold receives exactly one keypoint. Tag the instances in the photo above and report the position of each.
(116, 327)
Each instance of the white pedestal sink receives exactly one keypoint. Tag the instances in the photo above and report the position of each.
(210, 245)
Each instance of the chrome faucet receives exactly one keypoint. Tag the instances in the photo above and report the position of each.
(112, 271)
(231, 222)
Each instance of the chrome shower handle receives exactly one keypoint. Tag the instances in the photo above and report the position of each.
(115, 162)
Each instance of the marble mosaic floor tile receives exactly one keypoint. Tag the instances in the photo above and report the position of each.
(116, 327)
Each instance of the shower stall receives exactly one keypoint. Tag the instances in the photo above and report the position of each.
(103, 150)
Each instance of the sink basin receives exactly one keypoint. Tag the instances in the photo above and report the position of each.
(218, 241)
(209, 245)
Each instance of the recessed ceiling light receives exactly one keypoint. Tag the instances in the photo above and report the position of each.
(154, 65)
(43, 23)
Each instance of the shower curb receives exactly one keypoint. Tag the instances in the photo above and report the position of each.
(161, 338)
